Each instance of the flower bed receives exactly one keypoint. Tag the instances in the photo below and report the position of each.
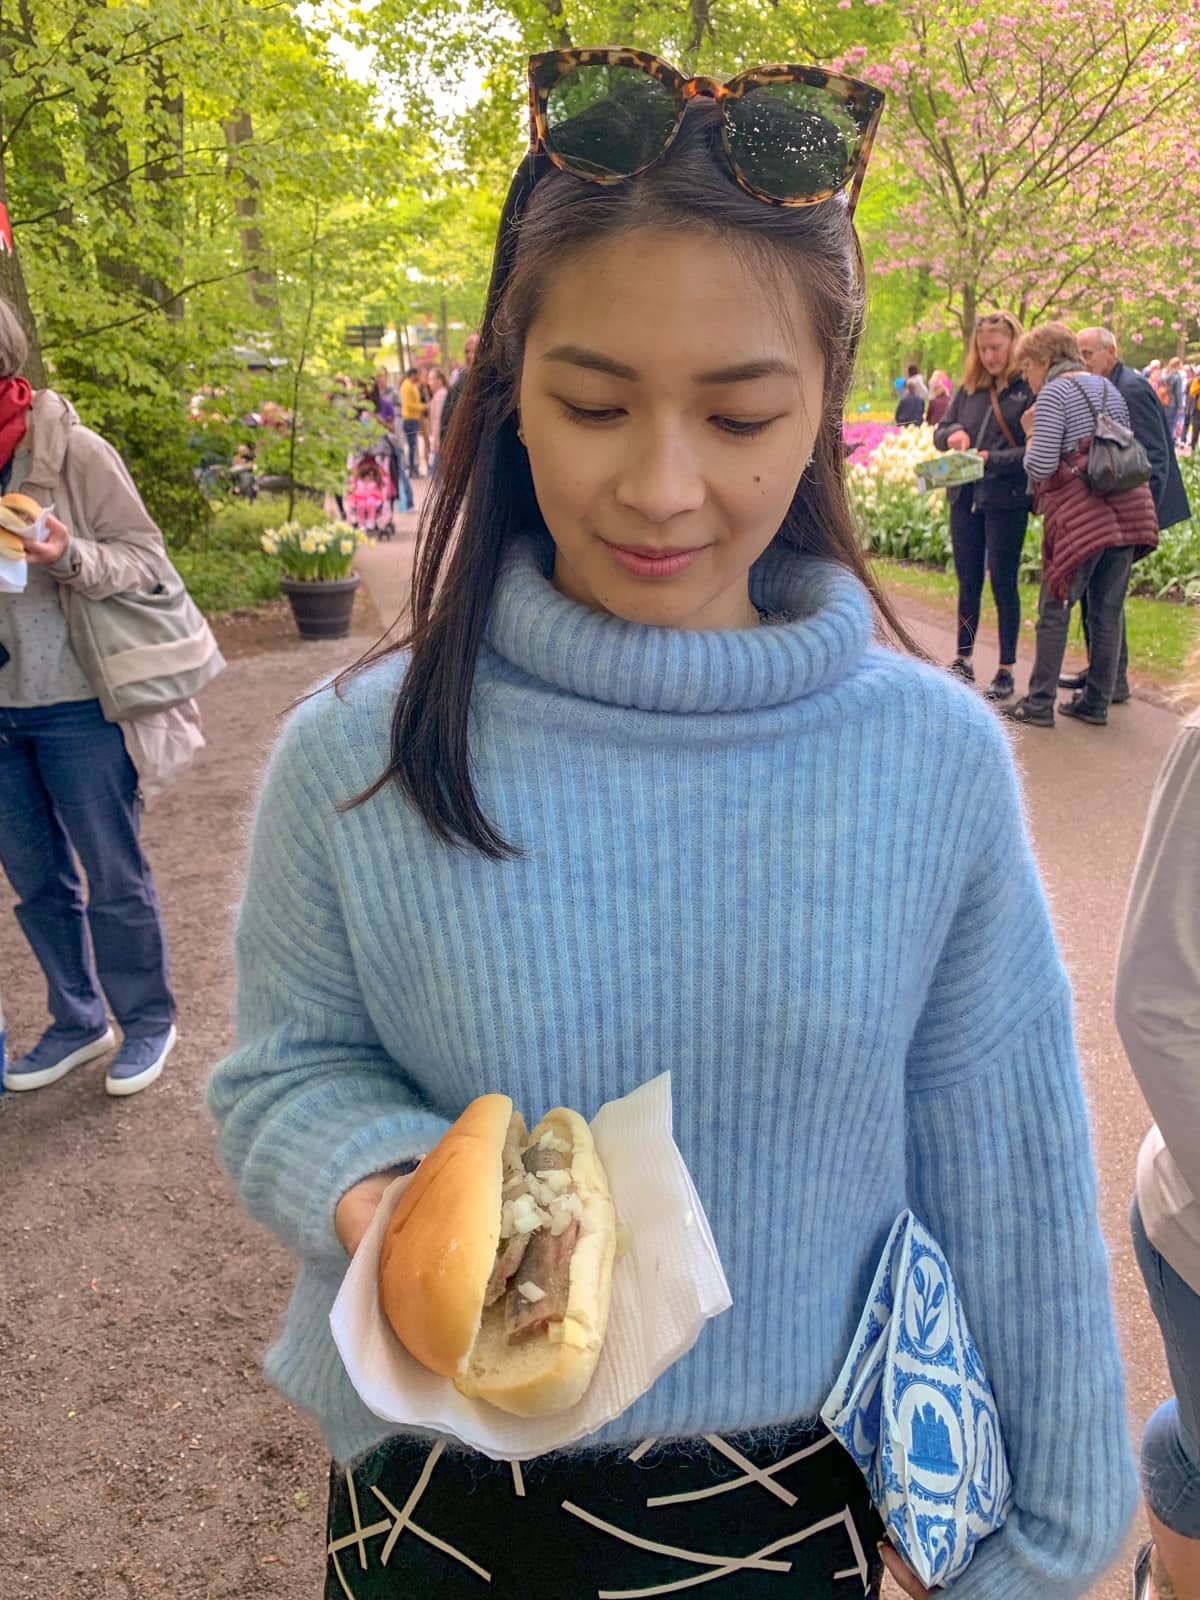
(897, 519)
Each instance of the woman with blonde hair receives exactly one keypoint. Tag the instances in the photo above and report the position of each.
(940, 392)
(988, 518)
(1089, 541)
(1158, 1017)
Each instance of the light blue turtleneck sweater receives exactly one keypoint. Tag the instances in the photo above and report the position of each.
(784, 862)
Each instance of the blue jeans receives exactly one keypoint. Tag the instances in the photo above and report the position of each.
(412, 429)
(1171, 1443)
(66, 781)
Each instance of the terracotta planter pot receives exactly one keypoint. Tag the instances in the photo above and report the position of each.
(323, 606)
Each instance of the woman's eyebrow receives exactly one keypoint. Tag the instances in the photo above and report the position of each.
(577, 355)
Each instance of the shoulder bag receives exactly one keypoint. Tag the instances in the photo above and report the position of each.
(1116, 460)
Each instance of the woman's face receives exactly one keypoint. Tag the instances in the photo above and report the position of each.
(668, 408)
(995, 349)
(1034, 372)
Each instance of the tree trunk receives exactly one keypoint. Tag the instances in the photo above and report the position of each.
(969, 303)
(164, 170)
(12, 288)
(239, 130)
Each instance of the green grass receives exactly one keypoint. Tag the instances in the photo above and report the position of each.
(224, 566)
(1162, 633)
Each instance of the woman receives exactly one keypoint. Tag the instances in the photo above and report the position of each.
(940, 391)
(1089, 541)
(67, 785)
(988, 518)
(1158, 1016)
(910, 408)
(699, 820)
(439, 389)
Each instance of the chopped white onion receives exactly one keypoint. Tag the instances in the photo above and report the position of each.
(527, 1222)
(530, 1291)
(551, 1141)
(557, 1182)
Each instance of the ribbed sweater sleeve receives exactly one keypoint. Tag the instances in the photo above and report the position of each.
(1000, 1170)
(309, 1102)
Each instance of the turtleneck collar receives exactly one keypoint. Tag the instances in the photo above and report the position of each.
(602, 658)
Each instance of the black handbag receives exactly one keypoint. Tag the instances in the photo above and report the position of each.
(1116, 460)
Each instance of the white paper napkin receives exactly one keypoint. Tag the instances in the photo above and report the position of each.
(665, 1287)
(14, 573)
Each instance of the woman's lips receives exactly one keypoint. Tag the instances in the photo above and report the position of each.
(645, 563)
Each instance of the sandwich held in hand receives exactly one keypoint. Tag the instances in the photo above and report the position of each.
(496, 1266)
(18, 513)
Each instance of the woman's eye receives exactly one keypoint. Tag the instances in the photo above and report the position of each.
(740, 428)
(591, 413)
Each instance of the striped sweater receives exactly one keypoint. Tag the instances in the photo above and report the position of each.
(1064, 419)
(784, 862)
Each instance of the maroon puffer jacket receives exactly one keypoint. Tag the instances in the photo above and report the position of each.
(1080, 522)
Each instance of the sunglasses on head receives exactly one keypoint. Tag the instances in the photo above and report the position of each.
(793, 136)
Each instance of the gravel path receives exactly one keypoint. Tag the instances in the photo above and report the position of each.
(142, 1455)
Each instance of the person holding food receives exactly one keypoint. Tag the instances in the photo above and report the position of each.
(988, 518)
(68, 787)
(645, 789)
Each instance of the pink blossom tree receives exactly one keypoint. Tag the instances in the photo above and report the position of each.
(1042, 157)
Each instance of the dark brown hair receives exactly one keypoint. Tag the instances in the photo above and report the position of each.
(484, 497)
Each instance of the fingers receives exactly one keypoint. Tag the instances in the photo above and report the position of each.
(902, 1573)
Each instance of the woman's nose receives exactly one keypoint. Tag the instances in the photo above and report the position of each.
(661, 478)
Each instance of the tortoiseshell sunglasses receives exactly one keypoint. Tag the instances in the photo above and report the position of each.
(793, 136)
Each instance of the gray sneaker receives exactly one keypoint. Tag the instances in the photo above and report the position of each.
(56, 1053)
(139, 1061)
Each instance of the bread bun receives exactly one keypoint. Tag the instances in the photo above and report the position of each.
(18, 512)
(11, 546)
(440, 1248)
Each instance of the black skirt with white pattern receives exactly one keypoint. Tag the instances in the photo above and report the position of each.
(758, 1516)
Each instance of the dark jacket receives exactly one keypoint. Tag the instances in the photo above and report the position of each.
(910, 411)
(1003, 486)
(1149, 423)
(1079, 522)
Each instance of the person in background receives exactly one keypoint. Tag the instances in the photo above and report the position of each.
(1193, 423)
(1176, 396)
(1089, 541)
(1098, 352)
(384, 397)
(67, 785)
(412, 409)
(439, 389)
(913, 376)
(1157, 1006)
(940, 391)
(910, 408)
(426, 396)
(988, 518)
(456, 386)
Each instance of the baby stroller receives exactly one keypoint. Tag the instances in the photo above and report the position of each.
(375, 490)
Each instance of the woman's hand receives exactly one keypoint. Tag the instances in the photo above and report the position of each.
(982, 454)
(960, 439)
(1028, 418)
(45, 552)
(357, 1207)
(903, 1573)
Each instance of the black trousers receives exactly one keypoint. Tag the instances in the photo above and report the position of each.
(780, 1513)
(991, 541)
(1121, 684)
(1105, 578)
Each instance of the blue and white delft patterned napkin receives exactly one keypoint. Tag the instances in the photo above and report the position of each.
(913, 1406)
